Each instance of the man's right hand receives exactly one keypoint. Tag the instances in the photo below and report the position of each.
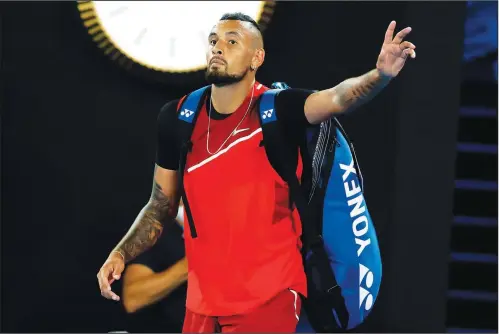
(146, 229)
(109, 272)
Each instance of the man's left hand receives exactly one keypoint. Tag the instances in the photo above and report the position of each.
(394, 52)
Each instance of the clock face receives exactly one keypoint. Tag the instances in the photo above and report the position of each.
(164, 36)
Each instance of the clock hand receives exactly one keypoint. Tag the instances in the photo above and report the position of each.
(118, 11)
(141, 35)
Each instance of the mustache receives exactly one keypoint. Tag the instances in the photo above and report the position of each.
(217, 59)
(221, 79)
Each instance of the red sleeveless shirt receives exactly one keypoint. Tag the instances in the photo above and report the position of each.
(248, 244)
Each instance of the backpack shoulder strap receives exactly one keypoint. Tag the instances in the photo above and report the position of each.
(190, 105)
(267, 106)
(188, 112)
(280, 157)
(273, 138)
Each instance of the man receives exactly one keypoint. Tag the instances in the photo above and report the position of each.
(154, 285)
(245, 267)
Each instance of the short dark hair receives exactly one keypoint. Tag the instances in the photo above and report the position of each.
(241, 17)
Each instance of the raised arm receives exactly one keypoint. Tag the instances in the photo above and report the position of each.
(354, 92)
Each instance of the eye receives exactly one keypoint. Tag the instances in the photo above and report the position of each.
(213, 42)
(232, 42)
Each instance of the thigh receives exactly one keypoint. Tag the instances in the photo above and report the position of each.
(197, 323)
(279, 315)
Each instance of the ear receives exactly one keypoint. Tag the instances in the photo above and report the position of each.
(258, 58)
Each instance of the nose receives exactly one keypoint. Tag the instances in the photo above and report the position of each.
(217, 50)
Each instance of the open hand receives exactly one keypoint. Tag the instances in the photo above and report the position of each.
(394, 51)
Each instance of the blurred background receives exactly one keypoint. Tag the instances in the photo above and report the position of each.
(78, 147)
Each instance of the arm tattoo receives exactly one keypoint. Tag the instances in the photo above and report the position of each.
(149, 224)
(356, 91)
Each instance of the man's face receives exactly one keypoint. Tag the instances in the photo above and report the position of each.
(230, 52)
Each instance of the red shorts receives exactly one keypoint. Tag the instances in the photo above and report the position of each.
(280, 314)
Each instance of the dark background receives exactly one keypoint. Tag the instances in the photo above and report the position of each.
(78, 148)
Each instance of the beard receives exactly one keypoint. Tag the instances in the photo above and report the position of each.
(221, 79)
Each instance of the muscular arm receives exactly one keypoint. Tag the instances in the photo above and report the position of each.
(344, 97)
(143, 287)
(161, 209)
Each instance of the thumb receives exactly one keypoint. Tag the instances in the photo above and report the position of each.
(117, 272)
(409, 52)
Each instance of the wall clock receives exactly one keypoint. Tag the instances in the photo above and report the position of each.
(166, 40)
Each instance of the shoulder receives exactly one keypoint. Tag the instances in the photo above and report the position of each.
(169, 109)
(293, 95)
(292, 99)
(290, 105)
(167, 117)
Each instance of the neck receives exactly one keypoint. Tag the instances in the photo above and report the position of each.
(227, 99)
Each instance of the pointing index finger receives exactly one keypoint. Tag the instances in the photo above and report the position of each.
(401, 35)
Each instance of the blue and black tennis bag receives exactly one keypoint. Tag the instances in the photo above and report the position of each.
(340, 248)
